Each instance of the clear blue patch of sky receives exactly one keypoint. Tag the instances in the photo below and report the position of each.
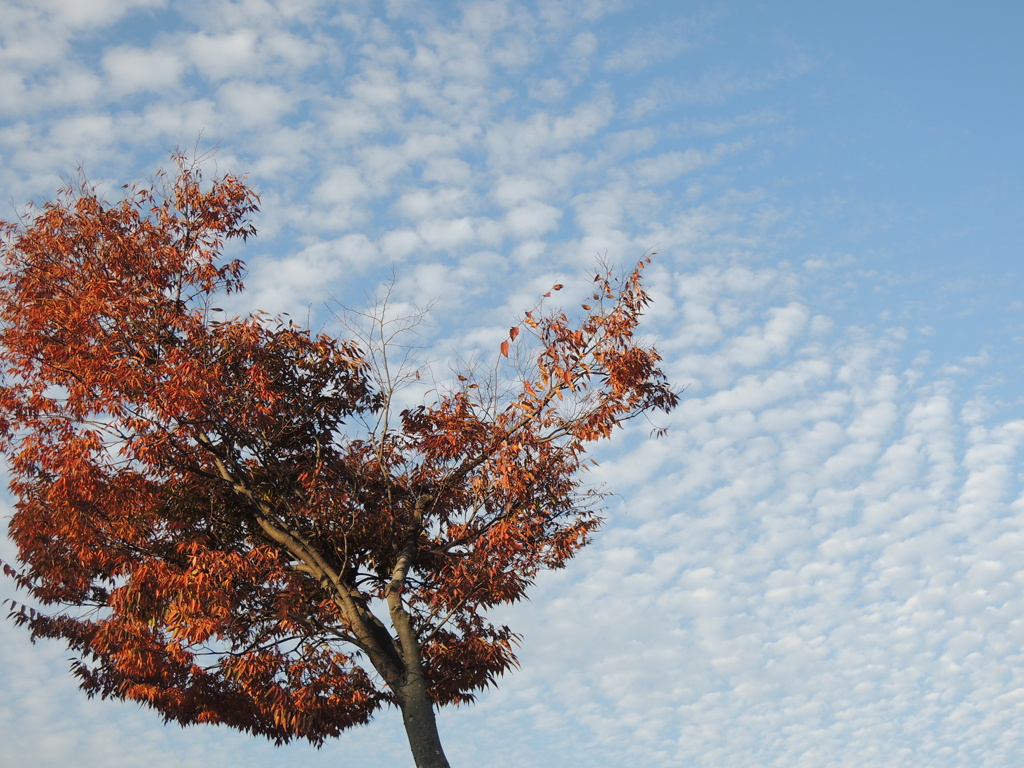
(903, 154)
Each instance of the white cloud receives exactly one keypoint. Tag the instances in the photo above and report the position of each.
(399, 244)
(350, 120)
(484, 18)
(516, 143)
(222, 56)
(93, 13)
(660, 42)
(343, 185)
(532, 219)
(579, 53)
(667, 166)
(421, 204)
(85, 131)
(549, 90)
(248, 105)
(512, 189)
(301, 282)
(445, 234)
(378, 88)
(757, 345)
(131, 69)
(447, 170)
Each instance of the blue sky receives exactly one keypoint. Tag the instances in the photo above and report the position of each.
(821, 565)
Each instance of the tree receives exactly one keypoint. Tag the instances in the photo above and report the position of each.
(231, 521)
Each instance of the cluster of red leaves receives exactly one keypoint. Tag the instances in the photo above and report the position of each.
(195, 521)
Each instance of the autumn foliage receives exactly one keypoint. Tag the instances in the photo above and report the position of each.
(224, 517)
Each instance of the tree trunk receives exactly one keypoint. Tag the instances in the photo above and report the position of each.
(421, 726)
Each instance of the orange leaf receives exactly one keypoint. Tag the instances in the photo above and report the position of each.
(255, 396)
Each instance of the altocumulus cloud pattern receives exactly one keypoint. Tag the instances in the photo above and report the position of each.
(821, 563)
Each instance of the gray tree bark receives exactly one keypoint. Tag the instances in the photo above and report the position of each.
(421, 727)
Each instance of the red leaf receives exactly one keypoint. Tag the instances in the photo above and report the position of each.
(504, 348)
(513, 332)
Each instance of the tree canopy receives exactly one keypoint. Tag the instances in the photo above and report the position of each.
(229, 519)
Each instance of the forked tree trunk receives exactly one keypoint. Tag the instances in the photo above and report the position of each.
(421, 727)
